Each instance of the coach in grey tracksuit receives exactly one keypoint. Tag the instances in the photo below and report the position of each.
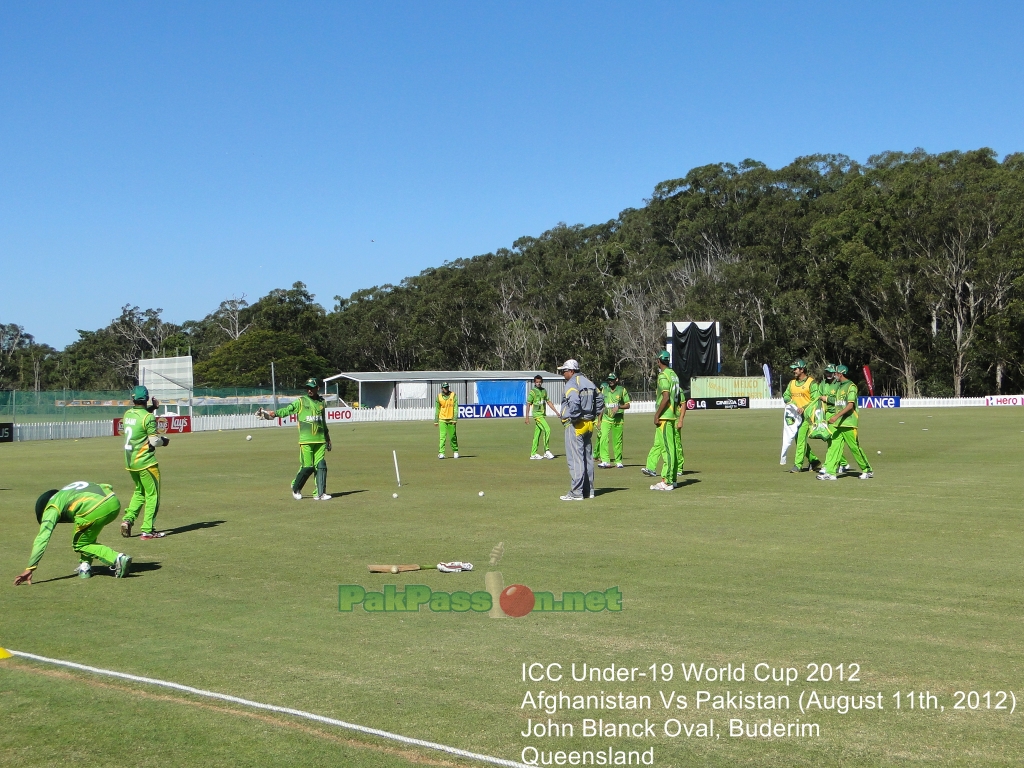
(582, 403)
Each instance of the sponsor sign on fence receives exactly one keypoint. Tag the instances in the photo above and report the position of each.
(6, 433)
(490, 411)
(717, 403)
(334, 416)
(1004, 400)
(878, 402)
(164, 424)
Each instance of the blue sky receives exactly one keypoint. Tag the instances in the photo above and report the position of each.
(173, 155)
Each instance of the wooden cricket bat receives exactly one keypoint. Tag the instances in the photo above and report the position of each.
(392, 568)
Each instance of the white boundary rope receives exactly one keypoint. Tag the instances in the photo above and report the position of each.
(271, 708)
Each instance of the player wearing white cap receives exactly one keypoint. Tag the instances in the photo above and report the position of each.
(581, 405)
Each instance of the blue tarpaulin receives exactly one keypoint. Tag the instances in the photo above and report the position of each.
(500, 392)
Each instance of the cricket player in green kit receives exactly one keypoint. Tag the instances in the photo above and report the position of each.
(90, 506)
(536, 406)
(616, 400)
(668, 421)
(140, 444)
(844, 420)
(314, 438)
(446, 413)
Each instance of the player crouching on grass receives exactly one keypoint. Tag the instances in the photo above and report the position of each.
(90, 506)
(536, 405)
(314, 438)
(140, 444)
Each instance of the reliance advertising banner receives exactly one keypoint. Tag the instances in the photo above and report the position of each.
(491, 411)
(878, 402)
(174, 425)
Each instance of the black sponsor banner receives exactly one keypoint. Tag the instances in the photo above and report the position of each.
(6, 433)
(717, 403)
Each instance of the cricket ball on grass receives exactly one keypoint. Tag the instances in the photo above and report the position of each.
(517, 600)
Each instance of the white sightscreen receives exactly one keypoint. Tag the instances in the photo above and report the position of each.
(167, 378)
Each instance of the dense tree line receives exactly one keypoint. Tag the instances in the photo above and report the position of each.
(911, 263)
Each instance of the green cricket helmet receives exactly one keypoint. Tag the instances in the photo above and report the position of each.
(41, 503)
(830, 368)
(800, 363)
(664, 356)
(444, 385)
(312, 383)
(612, 377)
(842, 369)
(140, 394)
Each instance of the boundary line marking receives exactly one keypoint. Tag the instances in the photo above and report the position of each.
(272, 708)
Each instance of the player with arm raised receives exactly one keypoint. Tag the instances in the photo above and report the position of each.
(90, 506)
(314, 438)
(140, 443)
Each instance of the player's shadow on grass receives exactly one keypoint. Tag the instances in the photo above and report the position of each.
(689, 472)
(102, 570)
(194, 527)
(603, 491)
(688, 481)
(348, 493)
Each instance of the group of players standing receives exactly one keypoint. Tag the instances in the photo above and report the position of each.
(827, 410)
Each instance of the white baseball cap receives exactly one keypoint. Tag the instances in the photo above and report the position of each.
(569, 365)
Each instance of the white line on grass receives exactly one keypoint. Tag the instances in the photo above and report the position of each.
(271, 708)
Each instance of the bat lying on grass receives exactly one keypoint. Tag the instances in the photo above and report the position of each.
(452, 567)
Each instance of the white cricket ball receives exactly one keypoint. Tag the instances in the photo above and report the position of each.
(481, 493)
(394, 495)
(394, 569)
(879, 453)
(248, 437)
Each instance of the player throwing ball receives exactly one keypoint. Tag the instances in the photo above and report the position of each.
(537, 404)
(90, 506)
(314, 438)
(140, 444)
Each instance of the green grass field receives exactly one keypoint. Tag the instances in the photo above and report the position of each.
(914, 576)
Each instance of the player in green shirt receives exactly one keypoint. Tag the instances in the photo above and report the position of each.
(668, 420)
(616, 400)
(314, 438)
(825, 407)
(140, 443)
(536, 406)
(90, 506)
(446, 414)
(802, 392)
(844, 421)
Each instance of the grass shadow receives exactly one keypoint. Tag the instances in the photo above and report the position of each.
(194, 527)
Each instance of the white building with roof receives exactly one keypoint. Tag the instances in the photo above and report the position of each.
(419, 389)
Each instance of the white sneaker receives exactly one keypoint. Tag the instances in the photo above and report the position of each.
(84, 570)
(548, 455)
(826, 476)
(662, 486)
(322, 497)
(296, 495)
(620, 465)
(570, 497)
(536, 457)
(440, 455)
(867, 475)
(455, 455)
(592, 494)
(604, 465)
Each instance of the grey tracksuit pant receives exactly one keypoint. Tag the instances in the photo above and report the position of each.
(579, 454)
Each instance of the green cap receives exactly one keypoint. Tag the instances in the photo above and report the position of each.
(664, 356)
(842, 369)
(41, 503)
(830, 368)
(444, 385)
(140, 394)
(312, 383)
(612, 377)
(801, 363)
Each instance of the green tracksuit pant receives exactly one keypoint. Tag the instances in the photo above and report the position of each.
(88, 527)
(541, 430)
(447, 430)
(312, 459)
(611, 441)
(146, 495)
(803, 448)
(668, 447)
(845, 437)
